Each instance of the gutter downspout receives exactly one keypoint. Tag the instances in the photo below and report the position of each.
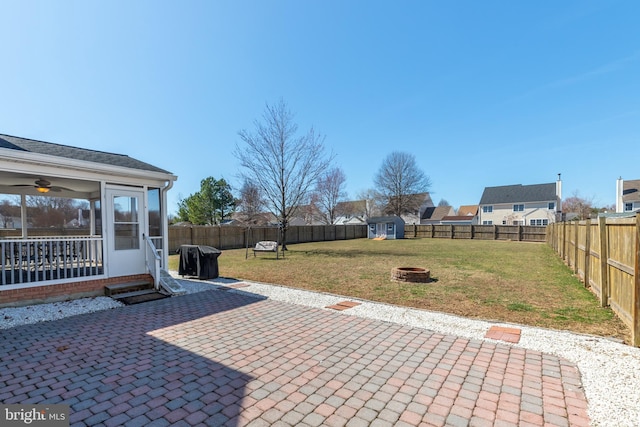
(165, 226)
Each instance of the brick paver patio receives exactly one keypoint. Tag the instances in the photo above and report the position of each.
(229, 358)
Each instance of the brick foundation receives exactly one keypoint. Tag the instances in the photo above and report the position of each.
(62, 291)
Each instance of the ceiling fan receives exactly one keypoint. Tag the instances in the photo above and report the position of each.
(44, 186)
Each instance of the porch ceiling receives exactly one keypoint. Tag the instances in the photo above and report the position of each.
(15, 183)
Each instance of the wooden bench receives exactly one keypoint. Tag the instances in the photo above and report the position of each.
(266, 246)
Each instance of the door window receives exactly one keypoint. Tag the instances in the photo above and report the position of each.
(126, 224)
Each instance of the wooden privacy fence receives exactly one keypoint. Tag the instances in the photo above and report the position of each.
(486, 232)
(232, 237)
(605, 255)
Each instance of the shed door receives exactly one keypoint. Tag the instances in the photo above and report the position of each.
(125, 216)
(381, 230)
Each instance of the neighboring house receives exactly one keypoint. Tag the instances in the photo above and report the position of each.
(538, 204)
(433, 215)
(259, 219)
(627, 195)
(306, 215)
(468, 210)
(385, 227)
(458, 220)
(351, 212)
(425, 202)
(126, 217)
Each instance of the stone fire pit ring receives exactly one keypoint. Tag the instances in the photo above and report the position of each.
(410, 274)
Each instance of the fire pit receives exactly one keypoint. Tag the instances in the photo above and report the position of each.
(410, 274)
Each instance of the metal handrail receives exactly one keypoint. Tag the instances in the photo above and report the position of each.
(152, 260)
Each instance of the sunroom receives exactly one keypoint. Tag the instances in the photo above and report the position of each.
(73, 219)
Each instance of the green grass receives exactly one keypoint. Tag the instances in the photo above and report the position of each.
(515, 282)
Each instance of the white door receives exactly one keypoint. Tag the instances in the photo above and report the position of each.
(381, 230)
(125, 218)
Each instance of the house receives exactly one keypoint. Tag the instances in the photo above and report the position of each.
(259, 219)
(457, 220)
(306, 215)
(467, 215)
(538, 204)
(433, 215)
(116, 204)
(627, 195)
(468, 210)
(422, 202)
(352, 212)
(385, 227)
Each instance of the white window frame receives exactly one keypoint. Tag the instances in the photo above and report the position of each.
(489, 222)
(519, 207)
(628, 207)
(487, 209)
(539, 221)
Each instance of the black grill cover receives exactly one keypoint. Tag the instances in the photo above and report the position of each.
(199, 261)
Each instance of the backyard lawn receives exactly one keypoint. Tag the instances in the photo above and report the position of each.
(516, 282)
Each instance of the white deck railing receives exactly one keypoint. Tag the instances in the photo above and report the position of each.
(42, 259)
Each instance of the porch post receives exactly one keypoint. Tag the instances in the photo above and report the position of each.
(92, 217)
(23, 215)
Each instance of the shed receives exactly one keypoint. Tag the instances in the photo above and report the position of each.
(386, 227)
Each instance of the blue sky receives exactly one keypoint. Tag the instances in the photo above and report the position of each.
(483, 93)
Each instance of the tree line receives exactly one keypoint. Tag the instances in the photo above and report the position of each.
(283, 169)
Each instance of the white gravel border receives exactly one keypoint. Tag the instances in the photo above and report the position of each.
(610, 370)
(16, 316)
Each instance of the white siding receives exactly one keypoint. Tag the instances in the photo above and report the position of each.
(504, 213)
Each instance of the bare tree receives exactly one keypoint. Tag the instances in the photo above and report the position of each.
(251, 203)
(282, 164)
(399, 180)
(372, 202)
(9, 212)
(329, 191)
(45, 211)
(580, 206)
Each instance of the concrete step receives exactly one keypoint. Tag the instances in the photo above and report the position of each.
(133, 294)
(138, 297)
(121, 288)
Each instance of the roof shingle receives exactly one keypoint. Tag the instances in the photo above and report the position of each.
(518, 193)
(51, 149)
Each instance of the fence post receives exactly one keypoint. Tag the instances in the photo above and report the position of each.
(563, 240)
(587, 253)
(604, 266)
(575, 247)
(635, 316)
